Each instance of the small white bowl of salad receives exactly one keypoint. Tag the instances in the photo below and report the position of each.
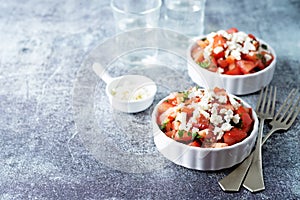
(204, 129)
(231, 59)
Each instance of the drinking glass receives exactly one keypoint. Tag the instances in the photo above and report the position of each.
(185, 16)
(135, 14)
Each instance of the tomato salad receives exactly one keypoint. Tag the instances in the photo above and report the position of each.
(204, 118)
(232, 52)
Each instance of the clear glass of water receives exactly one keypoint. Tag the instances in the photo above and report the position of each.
(185, 16)
(134, 14)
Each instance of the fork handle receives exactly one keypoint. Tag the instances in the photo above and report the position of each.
(233, 181)
(254, 180)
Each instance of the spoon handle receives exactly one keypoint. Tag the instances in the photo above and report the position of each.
(102, 73)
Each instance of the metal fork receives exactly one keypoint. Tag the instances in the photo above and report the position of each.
(233, 181)
(254, 180)
(286, 114)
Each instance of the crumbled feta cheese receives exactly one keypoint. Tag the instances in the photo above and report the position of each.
(207, 51)
(234, 103)
(210, 37)
(181, 117)
(222, 98)
(224, 34)
(223, 110)
(268, 57)
(220, 70)
(228, 115)
(227, 52)
(216, 119)
(188, 126)
(204, 113)
(236, 54)
(214, 109)
(195, 93)
(240, 36)
(218, 49)
(218, 132)
(236, 118)
(226, 127)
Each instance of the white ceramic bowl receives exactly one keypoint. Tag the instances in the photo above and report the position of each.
(136, 82)
(205, 159)
(234, 84)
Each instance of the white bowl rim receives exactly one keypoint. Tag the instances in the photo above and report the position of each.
(272, 64)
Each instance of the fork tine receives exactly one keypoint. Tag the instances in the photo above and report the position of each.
(269, 99)
(259, 99)
(295, 111)
(269, 109)
(284, 104)
(273, 101)
(264, 100)
(294, 117)
(290, 101)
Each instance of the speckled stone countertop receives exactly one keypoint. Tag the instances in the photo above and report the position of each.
(46, 150)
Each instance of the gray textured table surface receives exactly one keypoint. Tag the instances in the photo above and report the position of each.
(44, 151)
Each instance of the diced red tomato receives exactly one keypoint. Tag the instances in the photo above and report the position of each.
(232, 30)
(188, 111)
(219, 41)
(246, 122)
(222, 63)
(259, 63)
(175, 125)
(202, 43)
(251, 36)
(250, 57)
(234, 71)
(202, 123)
(230, 59)
(197, 54)
(195, 143)
(268, 62)
(218, 55)
(220, 91)
(168, 126)
(245, 66)
(164, 106)
(234, 135)
(185, 137)
(170, 134)
(242, 110)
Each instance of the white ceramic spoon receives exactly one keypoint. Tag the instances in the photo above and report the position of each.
(128, 93)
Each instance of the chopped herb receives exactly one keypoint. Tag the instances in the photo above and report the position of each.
(261, 57)
(194, 135)
(204, 64)
(164, 124)
(186, 95)
(264, 46)
(199, 136)
(180, 133)
(167, 101)
(189, 133)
